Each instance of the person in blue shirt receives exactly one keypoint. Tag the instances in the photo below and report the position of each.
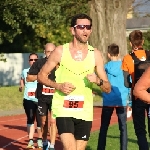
(30, 104)
(116, 99)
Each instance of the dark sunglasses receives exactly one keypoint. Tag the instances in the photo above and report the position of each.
(81, 27)
(33, 59)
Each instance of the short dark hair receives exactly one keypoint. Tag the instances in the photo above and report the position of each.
(79, 16)
(136, 38)
(33, 54)
(113, 49)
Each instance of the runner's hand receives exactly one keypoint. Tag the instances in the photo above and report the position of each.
(92, 78)
(106, 87)
(66, 88)
(20, 89)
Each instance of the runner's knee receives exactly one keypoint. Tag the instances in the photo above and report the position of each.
(44, 123)
(29, 125)
(53, 121)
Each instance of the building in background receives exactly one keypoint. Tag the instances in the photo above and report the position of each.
(137, 17)
(10, 71)
(141, 23)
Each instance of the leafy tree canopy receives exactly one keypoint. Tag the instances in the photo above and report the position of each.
(27, 25)
(147, 40)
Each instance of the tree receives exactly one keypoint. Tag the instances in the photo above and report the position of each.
(147, 40)
(2, 58)
(27, 25)
(141, 8)
(109, 24)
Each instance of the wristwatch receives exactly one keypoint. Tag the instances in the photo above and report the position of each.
(100, 82)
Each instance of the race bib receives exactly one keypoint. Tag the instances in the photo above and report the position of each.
(74, 102)
(48, 90)
(31, 92)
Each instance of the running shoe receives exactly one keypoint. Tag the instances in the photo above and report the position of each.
(39, 143)
(31, 145)
(46, 146)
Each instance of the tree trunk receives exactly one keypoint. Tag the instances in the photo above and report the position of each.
(109, 24)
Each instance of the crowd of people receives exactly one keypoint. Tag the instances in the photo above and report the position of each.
(61, 84)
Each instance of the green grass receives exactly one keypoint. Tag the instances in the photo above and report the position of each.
(113, 140)
(10, 98)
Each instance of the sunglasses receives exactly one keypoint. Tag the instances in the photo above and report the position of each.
(33, 59)
(81, 27)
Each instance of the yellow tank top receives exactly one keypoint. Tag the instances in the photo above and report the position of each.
(79, 104)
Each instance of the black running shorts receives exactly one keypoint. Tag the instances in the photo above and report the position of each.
(44, 106)
(78, 127)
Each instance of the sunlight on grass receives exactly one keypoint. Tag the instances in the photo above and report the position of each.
(10, 98)
(113, 140)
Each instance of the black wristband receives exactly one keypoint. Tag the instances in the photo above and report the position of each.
(100, 83)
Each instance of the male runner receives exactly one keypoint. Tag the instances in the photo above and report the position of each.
(44, 95)
(73, 102)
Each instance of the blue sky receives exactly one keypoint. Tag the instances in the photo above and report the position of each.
(142, 7)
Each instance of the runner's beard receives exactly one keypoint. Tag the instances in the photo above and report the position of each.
(81, 40)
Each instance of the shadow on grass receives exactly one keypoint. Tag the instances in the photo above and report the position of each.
(88, 148)
(117, 137)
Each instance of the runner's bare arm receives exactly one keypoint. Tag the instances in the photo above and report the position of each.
(53, 60)
(100, 71)
(140, 89)
(31, 78)
(21, 85)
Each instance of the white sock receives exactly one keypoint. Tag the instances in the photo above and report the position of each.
(52, 146)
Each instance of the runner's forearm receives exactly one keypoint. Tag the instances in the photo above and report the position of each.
(47, 82)
(104, 85)
(31, 78)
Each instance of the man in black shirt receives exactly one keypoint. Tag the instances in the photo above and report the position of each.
(44, 95)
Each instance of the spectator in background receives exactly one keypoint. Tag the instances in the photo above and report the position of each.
(129, 69)
(116, 99)
(30, 104)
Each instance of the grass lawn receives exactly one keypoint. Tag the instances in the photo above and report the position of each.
(11, 98)
(113, 138)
